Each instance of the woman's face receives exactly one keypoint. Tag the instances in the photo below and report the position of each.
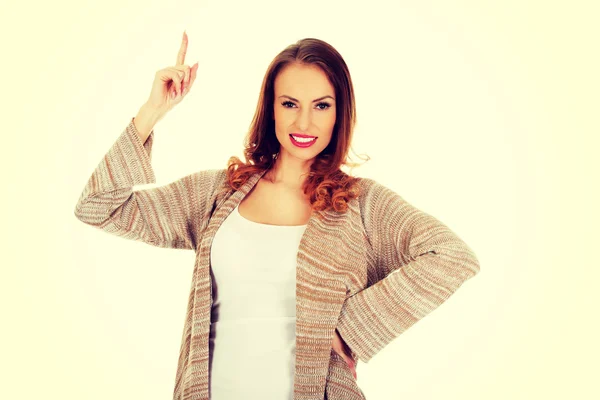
(304, 104)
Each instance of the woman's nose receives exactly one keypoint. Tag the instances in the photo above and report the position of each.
(303, 121)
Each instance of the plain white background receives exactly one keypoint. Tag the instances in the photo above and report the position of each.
(483, 114)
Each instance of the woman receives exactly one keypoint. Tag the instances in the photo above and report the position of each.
(326, 269)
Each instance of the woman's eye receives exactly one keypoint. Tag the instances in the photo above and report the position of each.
(286, 103)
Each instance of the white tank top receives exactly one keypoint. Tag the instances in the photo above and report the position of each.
(253, 321)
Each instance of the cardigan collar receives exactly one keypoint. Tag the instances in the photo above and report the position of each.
(320, 286)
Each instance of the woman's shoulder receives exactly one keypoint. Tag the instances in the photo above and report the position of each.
(373, 191)
(369, 185)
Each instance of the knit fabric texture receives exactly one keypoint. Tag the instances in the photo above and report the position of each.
(370, 272)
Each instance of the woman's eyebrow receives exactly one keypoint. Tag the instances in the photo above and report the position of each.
(320, 98)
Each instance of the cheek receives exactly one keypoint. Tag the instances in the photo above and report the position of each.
(280, 126)
(283, 118)
(328, 118)
(327, 123)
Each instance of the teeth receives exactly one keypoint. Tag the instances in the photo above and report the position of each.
(303, 140)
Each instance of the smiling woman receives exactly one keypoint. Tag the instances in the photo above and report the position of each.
(296, 278)
(290, 77)
(302, 128)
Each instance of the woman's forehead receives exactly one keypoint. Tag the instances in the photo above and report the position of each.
(303, 82)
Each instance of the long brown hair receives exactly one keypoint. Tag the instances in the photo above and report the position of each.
(327, 185)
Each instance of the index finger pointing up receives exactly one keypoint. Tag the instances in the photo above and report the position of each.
(182, 50)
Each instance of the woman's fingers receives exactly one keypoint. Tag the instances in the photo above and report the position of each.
(344, 351)
(177, 75)
(193, 73)
(182, 50)
(186, 79)
(186, 74)
(348, 360)
(351, 364)
(171, 74)
(172, 83)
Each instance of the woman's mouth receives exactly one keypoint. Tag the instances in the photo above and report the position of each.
(302, 142)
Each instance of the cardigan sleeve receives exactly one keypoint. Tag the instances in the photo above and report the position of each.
(422, 263)
(163, 216)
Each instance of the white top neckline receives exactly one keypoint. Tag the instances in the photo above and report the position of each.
(237, 209)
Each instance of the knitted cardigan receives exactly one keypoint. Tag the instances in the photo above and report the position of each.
(371, 272)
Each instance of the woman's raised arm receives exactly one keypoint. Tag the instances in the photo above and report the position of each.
(166, 216)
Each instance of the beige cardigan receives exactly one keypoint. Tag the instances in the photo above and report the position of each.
(371, 272)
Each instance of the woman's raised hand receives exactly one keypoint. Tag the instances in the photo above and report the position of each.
(172, 84)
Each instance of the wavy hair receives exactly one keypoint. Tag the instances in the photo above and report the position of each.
(327, 185)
